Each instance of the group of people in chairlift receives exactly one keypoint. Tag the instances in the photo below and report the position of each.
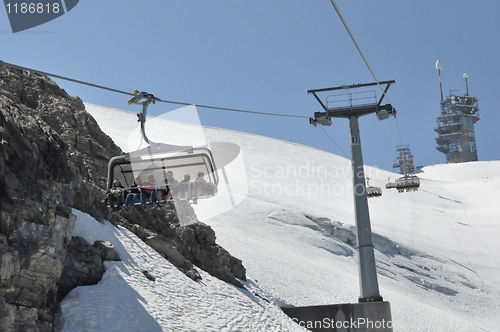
(150, 191)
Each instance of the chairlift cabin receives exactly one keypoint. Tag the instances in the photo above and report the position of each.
(408, 183)
(372, 191)
(146, 161)
(390, 185)
(160, 158)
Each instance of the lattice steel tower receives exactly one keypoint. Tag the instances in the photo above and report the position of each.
(459, 113)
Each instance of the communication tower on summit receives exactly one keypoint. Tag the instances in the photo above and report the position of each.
(459, 113)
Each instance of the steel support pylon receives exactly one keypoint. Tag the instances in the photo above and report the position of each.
(366, 256)
(368, 280)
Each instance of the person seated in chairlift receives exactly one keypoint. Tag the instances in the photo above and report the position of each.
(168, 187)
(115, 194)
(148, 188)
(173, 186)
(184, 188)
(133, 192)
(199, 186)
(163, 191)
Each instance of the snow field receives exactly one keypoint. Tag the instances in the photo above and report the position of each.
(437, 249)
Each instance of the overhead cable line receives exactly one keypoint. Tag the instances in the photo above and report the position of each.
(471, 266)
(473, 228)
(291, 52)
(160, 100)
(365, 61)
(66, 78)
(334, 141)
(270, 36)
(305, 30)
(165, 101)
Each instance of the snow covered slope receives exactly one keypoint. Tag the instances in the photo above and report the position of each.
(126, 301)
(438, 253)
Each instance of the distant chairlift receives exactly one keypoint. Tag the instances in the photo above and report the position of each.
(159, 158)
(372, 191)
(408, 183)
(405, 164)
(390, 185)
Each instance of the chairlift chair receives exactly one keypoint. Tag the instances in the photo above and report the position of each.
(408, 183)
(159, 158)
(389, 184)
(372, 191)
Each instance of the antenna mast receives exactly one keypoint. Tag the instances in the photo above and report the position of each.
(439, 66)
(466, 76)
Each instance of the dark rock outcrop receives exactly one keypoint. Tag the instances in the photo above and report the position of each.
(106, 251)
(82, 267)
(53, 157)
(197, 243)
(183, 246)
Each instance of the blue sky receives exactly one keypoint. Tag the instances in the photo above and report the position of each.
(263, 55)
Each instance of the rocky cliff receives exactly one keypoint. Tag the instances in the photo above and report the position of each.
(53, 157)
